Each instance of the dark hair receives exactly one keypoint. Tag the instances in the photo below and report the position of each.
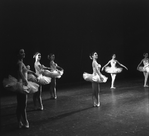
(91, 54)
(36, 54)
(49, 55)
(145, 54)
(114, 54)
(20, 53)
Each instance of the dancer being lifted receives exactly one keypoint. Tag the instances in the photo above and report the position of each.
(96, 78)
(113, 70)
(144, 68)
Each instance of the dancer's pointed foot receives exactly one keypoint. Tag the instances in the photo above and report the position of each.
(146, 86)
(113, 87)
(20, 124)
(26, 125)
(55, 96)
(97, 105)
(41, 108)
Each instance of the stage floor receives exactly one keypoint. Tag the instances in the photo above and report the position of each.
(123, 112)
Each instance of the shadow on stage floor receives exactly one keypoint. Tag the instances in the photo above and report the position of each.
(124, 111)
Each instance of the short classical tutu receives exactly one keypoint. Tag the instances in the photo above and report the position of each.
(54, 73)
(94, 78)
(113, 70)
(32, 87)
(32, 78)
(147, 69)
(143, 69)
(10, 81)
(12, 84)
(43, 80)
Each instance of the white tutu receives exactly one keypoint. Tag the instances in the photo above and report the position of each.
(43, 80)
(54, 73)
(32, 87)
(12, 84)
(144, 69)
(94, 78)
(113, 70)
(32, 78)
(147, 69)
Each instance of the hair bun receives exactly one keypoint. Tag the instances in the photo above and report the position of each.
(36, 54)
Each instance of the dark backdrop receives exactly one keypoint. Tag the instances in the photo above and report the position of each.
(72, 29)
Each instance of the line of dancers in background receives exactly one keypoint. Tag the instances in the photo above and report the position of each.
(97, 77)
(29, 81)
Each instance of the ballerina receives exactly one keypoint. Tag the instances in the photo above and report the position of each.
(56, 68)
(22, 87)
(113, 70)
(96, 78)
(145, 68)
(43, 80)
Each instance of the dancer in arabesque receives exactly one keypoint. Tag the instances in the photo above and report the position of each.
(96, 78)
(113, 69)
(144, 68)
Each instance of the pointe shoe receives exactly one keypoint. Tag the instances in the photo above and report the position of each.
(20, 125)
(146, 86)
(41, 108)
(26, 125)
(98, 104)
(55, 97)
(113, 87)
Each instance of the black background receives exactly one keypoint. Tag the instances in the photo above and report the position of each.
(72, 29)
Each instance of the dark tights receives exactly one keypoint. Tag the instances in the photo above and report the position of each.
(21, 108)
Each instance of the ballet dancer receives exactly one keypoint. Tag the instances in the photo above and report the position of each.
(54, 67)
(22, 98)
(41, 79)
(113, 70)
(145, 68)
(22, 87)
(96, 78)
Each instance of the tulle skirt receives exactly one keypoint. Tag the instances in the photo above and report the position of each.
(12, 84)
(94, 78)
(43, 80)
(32, 78)
(54, 73)
(143, 69)
(113, 70)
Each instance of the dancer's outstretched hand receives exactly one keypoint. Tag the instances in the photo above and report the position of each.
(102, 69)
(126, 68)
